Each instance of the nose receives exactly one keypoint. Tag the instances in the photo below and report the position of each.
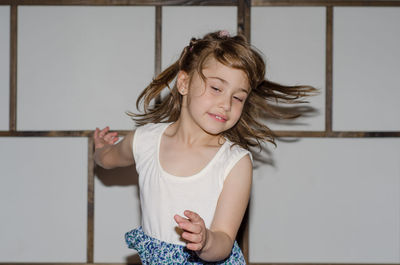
(226, 102)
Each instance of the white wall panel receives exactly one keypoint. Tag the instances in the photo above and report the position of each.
(117, 211)
(80, 67)
(328, 201)
(366, 68)
(43, 199)
(293, 42)
(180, 24)
(4, 67)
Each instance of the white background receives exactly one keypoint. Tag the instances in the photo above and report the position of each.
(326, 200)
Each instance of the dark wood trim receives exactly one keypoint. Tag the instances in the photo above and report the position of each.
(300, 134)
(243, 27)
(243, 18)
(324, 3)
(124, 2)
(336, 134)
(90, 203)
(13, 68)
(158, 46)
(246, 239)
(158, 40)
(243, 235)
(204, 3)
(46, 133)
(328, 69)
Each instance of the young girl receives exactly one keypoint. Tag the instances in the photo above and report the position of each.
(191, 150)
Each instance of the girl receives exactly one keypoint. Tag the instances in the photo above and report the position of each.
(191, 150)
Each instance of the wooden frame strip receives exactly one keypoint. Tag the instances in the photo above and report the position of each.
(13, 68)
(158, 40)
(205, 2)
(243, 235)
(243, 27)
(325, 3)
(46, 133)
(243, 19)
(337, 134)
(158, 46)
(124, 2)
(328, 69)
(305, 134)
(90, 202)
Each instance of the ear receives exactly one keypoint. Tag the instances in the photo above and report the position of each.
(182, 82)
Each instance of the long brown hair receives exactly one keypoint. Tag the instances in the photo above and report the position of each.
(234, 52)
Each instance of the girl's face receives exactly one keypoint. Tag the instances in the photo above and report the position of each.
(216, 103)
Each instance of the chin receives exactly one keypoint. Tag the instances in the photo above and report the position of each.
(212, 130)
(215, 131)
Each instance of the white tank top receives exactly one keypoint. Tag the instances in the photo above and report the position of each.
(163, 195)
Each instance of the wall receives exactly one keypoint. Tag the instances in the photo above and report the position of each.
(317, 198)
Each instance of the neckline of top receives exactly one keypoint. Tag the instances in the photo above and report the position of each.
(185, 178)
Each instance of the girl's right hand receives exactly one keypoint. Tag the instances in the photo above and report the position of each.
(104, 137)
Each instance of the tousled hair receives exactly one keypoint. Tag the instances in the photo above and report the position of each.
(234, 52)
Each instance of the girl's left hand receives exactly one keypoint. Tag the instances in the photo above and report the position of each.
(194, 230)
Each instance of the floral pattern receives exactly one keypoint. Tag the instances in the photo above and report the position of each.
(154, 251)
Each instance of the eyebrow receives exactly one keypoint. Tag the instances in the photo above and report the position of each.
(226, 82)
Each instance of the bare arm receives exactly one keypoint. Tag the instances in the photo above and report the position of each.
(216, 243)
(110, 155)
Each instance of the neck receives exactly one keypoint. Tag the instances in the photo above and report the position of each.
(190, 134)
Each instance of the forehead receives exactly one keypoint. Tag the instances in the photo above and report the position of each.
(234, 77)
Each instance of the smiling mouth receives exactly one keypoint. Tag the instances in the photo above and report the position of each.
(218, 118)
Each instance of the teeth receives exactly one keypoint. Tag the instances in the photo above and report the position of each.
(218, 117)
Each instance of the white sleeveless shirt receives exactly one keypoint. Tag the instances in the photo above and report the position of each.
(163, 195)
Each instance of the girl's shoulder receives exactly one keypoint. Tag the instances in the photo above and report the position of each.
(235, 150)
(151, 127)
(148, 134)
(146, 139)
(233, 153)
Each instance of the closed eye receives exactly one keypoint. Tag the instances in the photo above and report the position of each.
(238, 99)
(215, 88)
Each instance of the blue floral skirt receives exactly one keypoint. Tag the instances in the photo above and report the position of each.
(154, 251)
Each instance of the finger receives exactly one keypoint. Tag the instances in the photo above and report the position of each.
(179, 219)
(188, 226)
(194, 217)
(194, 246)
(109, 136)
(96, 133)
(98, 142)
(115, 139)
(191, 237)
(104, 131)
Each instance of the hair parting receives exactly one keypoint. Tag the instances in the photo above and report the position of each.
(235, 52)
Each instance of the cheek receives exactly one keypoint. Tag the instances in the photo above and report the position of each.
(197, 90)
(237, 111)
(238, 107)
(196, 104)
(195, 95)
